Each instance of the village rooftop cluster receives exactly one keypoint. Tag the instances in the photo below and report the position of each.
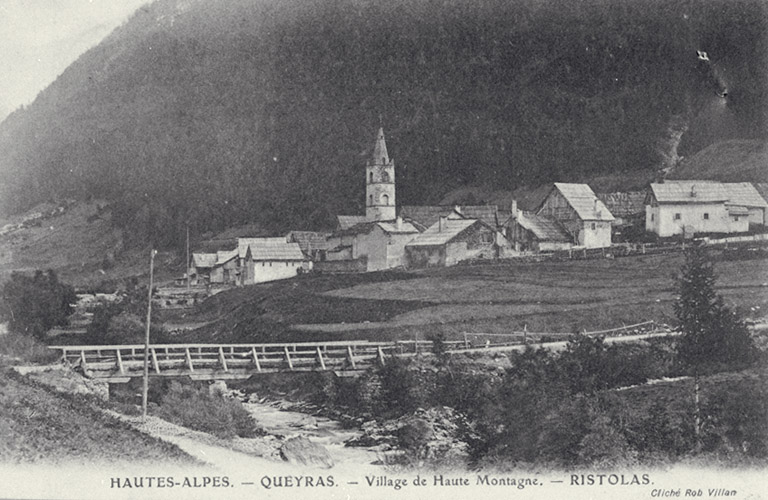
(570, 217)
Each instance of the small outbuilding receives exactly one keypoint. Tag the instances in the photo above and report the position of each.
(529, 232)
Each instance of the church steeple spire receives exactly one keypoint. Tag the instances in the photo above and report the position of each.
(380, 182)
(380, 155)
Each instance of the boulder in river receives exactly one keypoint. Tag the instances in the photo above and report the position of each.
(301, 451)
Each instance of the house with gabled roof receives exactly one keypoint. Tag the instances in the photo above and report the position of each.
(450, 240)
(425, 216)
(746, 195)
(378, 244)
(580, 212)
(252, 260)
(270, 259)
(312, 243)
(529, 232)
(693, 206)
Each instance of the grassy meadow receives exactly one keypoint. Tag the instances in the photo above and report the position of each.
(495, 298)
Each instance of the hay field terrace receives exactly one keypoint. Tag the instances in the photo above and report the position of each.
(542, 297)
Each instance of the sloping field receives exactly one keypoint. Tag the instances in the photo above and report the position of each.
(79, 243)
(558, 297)
(542, 297)
(43, 427)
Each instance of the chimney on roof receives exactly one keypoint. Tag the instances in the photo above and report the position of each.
(442, 223)
(399, 223)
(513, 209)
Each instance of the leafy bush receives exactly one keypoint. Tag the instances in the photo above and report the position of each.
(17, 345)
(34, 304)
(122, 323)
(736, 419)
(404, 388)
(203, 410)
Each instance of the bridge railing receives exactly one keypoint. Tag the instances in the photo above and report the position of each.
(120, 361)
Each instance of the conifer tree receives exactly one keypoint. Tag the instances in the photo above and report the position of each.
(713, 336)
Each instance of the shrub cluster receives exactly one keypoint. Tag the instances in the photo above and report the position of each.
(203, 410)
(564, 409)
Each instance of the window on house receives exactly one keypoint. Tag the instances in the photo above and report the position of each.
(706, 216)
(370, 177)
(383, 159)
(594, 226)
(736, 219)
(652, 217)
(370, 199)
(286, 264)
(677, 216)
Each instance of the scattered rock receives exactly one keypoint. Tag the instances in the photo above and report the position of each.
(306, 422)
(428, 434)
(65, 380)
(301, 451)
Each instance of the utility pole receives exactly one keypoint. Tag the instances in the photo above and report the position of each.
(145, 390)
(186, 269)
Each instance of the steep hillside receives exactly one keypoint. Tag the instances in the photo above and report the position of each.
(80, 243)
(728, 161)
(224, 112)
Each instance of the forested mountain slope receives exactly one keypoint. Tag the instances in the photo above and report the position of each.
(222, 112)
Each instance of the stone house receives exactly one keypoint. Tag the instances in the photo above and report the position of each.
(576, 208)
(254, 260)
(383, 244)
(451, 240)
(377, 244)
(270, 259)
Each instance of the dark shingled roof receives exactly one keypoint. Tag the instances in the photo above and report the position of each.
(309, 240)
(427, 215)
(347, 221)
(624, 204)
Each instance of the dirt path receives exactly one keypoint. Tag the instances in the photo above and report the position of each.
(241, 455)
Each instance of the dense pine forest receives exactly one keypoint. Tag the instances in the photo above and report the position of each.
(222, 112)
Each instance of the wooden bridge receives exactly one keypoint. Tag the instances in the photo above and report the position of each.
(120, 363)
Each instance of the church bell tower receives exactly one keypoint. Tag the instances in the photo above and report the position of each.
(380, 183)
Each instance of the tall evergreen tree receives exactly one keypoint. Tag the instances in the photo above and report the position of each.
(713, 336)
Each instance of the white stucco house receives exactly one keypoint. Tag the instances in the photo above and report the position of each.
(690, 207)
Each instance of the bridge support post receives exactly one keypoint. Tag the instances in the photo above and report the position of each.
(320, 358)
(255, 359)
(222, 360)
(288, 358)
(351, 358)
(120, 366)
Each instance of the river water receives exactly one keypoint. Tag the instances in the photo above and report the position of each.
(321, 430)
